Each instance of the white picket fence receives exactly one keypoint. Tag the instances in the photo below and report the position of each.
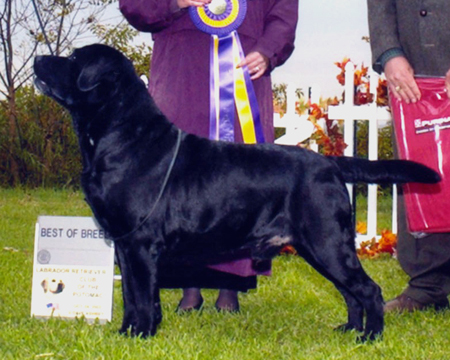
(298, 128)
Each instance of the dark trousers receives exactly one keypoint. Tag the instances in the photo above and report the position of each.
(426, 260)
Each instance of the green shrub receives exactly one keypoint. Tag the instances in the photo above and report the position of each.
(45, 146)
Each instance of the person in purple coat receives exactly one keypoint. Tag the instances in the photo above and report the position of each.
(179, 84)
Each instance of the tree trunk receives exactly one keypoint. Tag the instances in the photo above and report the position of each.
(13, 138)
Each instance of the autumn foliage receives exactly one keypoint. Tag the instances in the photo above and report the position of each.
(288, 250)
(330, 140)
(369, 249)
(361, 82)
(374, 248)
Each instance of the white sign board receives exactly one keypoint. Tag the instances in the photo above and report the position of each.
(73, 269)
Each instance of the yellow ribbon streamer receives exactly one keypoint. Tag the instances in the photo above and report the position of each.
(242, 100)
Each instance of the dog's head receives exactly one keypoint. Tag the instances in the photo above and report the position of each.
(53, 286)
(86, 78)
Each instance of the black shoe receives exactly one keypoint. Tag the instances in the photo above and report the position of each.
(404, 303)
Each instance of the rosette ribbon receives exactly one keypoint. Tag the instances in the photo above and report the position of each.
(231, 89)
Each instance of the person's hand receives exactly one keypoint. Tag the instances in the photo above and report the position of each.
(400, 79)
(186, 3)
(257, 64)
(447, 83)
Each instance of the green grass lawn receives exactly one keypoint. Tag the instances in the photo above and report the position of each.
(384, 211)
(290, 316)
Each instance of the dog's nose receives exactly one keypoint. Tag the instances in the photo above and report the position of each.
(37, 60)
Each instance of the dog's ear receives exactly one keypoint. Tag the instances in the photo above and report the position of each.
(93, 74)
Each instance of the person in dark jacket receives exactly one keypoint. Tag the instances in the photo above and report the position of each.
(179, 84)
(408, 38)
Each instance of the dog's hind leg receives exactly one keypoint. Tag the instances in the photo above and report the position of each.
(355, 311)
(354, 307)
(337, 261)
(138, 266)
(323, 233)
(359, 290)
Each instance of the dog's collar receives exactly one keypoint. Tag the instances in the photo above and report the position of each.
(161, 191)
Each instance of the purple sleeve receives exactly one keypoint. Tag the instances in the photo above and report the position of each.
(150, 15)
(277, 42)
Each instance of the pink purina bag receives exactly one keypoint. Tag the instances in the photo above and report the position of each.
(422, 131)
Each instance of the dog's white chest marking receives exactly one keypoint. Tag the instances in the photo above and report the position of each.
(280, 241)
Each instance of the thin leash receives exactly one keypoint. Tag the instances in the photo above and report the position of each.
(163, 187)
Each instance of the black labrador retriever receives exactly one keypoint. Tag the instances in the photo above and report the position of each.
(158, 190)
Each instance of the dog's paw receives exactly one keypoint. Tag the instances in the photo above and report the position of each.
(125, 330)
(370, 337)
(142, 329)
(349, 327)
(128, 323)
(137, 332)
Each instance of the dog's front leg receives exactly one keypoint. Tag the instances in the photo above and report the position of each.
(142, 310)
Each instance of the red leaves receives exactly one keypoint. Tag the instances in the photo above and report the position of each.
(330, 141)
(369, 249)
(360, 75)
(361, 84)
(288, 250)
(382, 93)
(341, 65)
(316, 112)
(373, 248)
(363, 96)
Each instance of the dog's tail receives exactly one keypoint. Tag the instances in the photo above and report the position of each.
(384, 171)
